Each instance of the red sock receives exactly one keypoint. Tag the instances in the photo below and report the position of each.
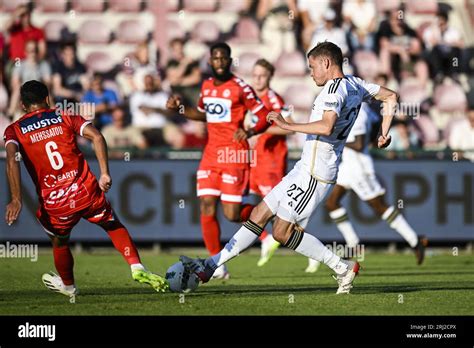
(124, 244)
(64, 263)
(263, 235)
(211, 233)
(245, 212)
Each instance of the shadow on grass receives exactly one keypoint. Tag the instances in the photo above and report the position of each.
(10, 297)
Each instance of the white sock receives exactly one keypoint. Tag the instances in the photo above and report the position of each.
(241, 240)
(339, 216)
(396, 221)
(69, 287)
(309, 246)
(137, 266)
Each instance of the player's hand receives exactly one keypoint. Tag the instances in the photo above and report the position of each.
(105, 182)
(277, 119)
(383, 142)
(173, 102)
(12, 212)
(240, 135)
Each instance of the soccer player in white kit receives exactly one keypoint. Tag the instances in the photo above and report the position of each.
(356, 172)
(296, 197)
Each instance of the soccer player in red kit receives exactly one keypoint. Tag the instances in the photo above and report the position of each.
(66, 187)
(270, 148)
(224, 169)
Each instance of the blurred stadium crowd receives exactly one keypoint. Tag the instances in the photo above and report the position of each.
(105, 52)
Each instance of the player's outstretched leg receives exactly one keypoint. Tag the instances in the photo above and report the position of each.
(124, 244)
(64, 263)
(293, 237)
(269, 245)
(242, 239)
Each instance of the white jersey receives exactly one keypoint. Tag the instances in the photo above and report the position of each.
(322, 154)
(356, 170)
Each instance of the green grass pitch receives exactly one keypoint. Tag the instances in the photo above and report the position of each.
(387, 285)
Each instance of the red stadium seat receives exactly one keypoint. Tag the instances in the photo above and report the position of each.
(174, 30)
(51, 5)
(386, 5)
(450, 98)
(173, 5)
(247, 31)
(244, 64)
(429, 132)
(88, 5)
(199, 5)
(53, 30)
(299, 96)
(131, 31)
(205, 31)
(412, 92)
(290, 64)
(233, 6)
(99, 62)
(422, 6)
(366, 63)
(94, 32)
(125, 5)
(11, 5)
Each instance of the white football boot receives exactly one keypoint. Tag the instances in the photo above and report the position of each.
(54, 283)
(346, 279)
(221, 273)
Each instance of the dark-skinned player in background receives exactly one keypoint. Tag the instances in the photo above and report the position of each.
(224, 169)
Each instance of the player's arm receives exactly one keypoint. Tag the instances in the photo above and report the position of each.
(255, 106)
(389, 100)
(275, 130)
(323, 127)
(100, 147)
(174, 103)
(14, 182)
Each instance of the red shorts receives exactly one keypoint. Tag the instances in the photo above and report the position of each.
(99, 212)
(230, 184)
(262, 181)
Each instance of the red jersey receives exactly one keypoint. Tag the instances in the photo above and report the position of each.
(47, 143)
(225, 107)
(271, 149)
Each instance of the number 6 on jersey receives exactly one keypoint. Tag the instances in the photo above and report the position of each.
(54, 156)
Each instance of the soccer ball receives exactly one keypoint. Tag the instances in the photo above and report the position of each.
(180, 280)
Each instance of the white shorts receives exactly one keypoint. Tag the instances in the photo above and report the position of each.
(356, 172)
(297, 196)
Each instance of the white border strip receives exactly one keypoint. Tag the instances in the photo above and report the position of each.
(208, 192)
(84, 126)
